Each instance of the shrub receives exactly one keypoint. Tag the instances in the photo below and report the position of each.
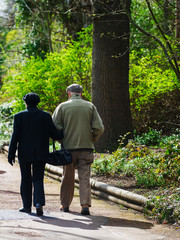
(150, 138)
(150, 167)
(50, 77)
(6, 122)
(154, 93)
(166, 205)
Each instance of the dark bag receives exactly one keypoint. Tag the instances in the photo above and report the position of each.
(59, 157)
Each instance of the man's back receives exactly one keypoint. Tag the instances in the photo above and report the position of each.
(80, 122)
(82, 127)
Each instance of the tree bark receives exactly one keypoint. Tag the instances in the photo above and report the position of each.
(177, 23)
(167, 13)
(110, 72)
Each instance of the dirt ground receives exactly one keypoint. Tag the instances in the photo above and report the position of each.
(123, 182)
(117, 215)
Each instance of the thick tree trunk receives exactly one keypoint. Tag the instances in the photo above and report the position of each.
(110, 74)
(177, 23)
(167, 13)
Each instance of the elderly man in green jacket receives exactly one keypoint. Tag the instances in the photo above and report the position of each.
(82, 127)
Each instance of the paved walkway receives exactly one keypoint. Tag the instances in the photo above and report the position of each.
(107, 221)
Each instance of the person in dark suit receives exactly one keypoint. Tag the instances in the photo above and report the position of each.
(31, 132)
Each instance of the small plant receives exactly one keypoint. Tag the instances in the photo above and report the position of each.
(151, 138)
(175, 137)
(166, 205)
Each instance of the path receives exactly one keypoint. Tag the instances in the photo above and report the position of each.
(107, 221)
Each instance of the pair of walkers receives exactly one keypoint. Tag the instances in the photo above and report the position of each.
(78, 125)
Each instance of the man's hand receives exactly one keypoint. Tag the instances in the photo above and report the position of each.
(11, 161)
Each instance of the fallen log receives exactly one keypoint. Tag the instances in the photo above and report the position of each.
(106, 191)
(103, 190)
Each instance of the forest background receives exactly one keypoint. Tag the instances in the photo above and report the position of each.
(47, 45)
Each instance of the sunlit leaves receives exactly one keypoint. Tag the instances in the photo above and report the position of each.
(50, 77)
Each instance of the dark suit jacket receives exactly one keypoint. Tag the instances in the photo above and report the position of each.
(31, 132)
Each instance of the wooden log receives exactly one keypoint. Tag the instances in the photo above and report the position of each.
(117, 200)
(119, 193)
(123, 195)
(103, 190)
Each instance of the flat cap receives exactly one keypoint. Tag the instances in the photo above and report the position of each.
(75, 88)
(31, 99)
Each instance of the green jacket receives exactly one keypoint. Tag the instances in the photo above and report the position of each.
(80, 122)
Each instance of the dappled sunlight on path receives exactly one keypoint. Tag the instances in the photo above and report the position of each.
(107, 220)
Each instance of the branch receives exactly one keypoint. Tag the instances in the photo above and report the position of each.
(163, 35)
(155, 38)
(178, 125)
(27, 6)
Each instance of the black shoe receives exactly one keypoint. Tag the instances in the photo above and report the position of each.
(85, 211)
(39, 209)
(64, 209)
(26, 210)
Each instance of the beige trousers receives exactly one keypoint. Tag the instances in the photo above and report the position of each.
(82, 161)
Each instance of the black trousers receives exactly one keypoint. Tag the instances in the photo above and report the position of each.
(32, 181)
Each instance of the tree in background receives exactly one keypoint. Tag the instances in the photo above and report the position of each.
(75, 15)
(6, 22)
(177, 21)
(2, 57)
(110, 69)
(39, 18)
(36, 17)
(156, 20)
(50, 77)
(154, 69)
(110, 74)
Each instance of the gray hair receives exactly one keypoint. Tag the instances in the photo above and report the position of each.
(76, 88)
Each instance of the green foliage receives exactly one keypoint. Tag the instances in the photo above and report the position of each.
(175, 137)
(49, 78)
(150, 167)
(154, 93)
(166, 205)
(3, 45)
(36, 48)
(6, 122)
(36, 17)
(149, 78)
(151, 138)
(164, 12)
(141, 15)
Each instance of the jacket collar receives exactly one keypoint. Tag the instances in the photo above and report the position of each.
(75, 96)
(31, 108)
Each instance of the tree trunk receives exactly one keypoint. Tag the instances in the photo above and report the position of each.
(110, 72)
(177, 24)
(167, 14)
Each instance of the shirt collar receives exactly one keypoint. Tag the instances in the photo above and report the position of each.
(75, 96)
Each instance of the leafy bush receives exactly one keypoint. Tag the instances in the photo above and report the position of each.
(154, 89)
(175, 137)
(150, 167)
(154, 93)
(6, 122)
(50, 78)
(151, 138)
(148, 79)
(166, 205)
